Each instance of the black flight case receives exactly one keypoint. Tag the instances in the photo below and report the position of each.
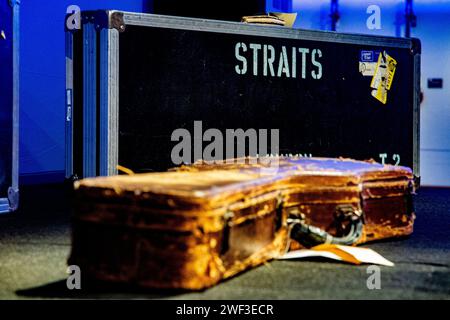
(133, 79)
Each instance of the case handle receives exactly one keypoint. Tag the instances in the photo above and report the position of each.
(349, 222)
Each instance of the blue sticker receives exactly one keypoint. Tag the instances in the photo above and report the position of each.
(369, 56)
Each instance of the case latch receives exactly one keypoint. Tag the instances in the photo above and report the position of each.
(349, 225)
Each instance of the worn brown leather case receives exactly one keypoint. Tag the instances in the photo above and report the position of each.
(381, 194)
(176, 229)
(199, 224)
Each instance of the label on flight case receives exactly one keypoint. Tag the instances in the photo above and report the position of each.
(368, 62)
(383, 77)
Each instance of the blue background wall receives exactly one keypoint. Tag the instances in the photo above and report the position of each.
(43, 82)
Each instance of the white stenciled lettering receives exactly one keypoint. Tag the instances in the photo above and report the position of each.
(396, 158)
(281, 62)
(283, 65)
(268, 62)
(241, 69)
(384, 158)
(316, 74)
(294, 62)
(304, 52)
(255, 48)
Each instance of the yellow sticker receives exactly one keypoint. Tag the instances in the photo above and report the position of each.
(383, 77)
(391, 67)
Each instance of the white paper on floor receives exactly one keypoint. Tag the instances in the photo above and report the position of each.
(355, 255)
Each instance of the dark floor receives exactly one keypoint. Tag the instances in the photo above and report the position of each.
(35, 243)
